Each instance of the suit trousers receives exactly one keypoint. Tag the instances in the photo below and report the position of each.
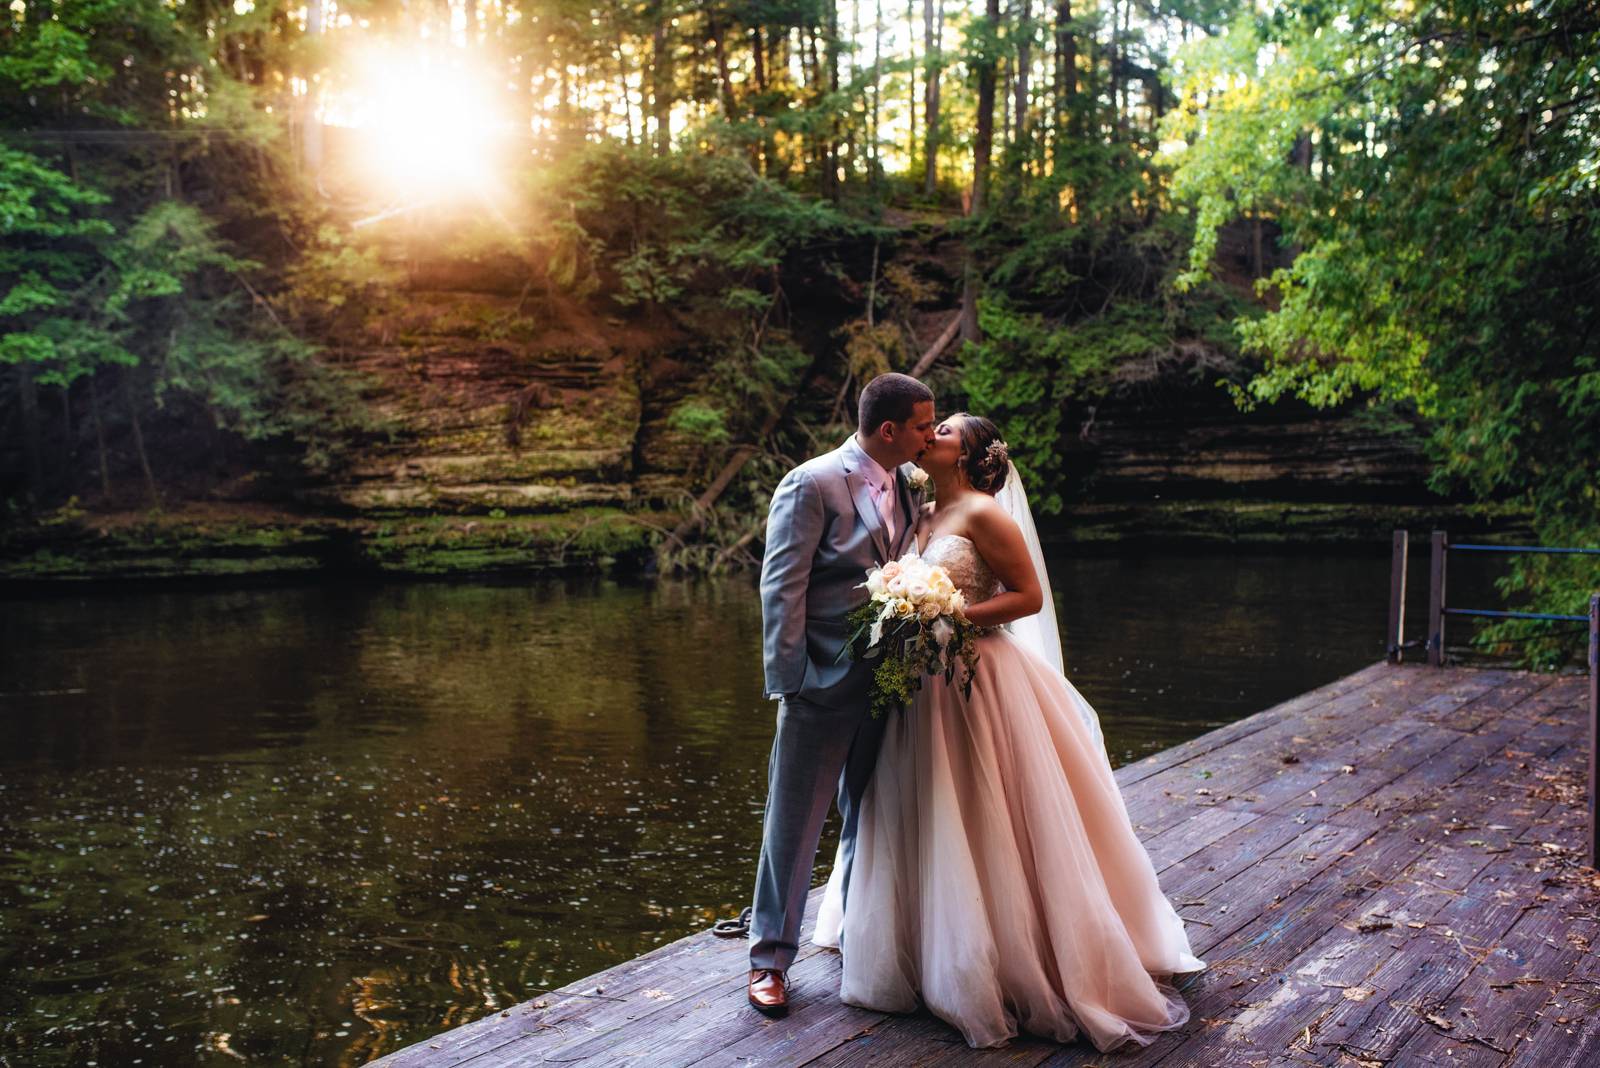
(818, 753)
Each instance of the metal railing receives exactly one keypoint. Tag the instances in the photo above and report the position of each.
(1439, 612)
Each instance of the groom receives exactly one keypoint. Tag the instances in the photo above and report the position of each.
(831, 519)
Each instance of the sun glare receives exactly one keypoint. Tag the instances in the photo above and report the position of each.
(426, 127)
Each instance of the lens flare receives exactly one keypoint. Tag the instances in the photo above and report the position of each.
(424, 126)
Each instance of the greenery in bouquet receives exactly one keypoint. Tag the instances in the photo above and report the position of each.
(914, 623)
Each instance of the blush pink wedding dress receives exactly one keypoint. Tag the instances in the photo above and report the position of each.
(997, 879)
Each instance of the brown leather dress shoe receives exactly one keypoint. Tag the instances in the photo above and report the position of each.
(769, 991)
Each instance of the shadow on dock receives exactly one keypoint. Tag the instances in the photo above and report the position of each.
(1384, 871)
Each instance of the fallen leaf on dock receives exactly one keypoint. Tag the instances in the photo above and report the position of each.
(1439, 1021)
(1357, 993)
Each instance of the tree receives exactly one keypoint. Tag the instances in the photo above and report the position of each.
(1448, 259)
(48, 256)
(933, 32)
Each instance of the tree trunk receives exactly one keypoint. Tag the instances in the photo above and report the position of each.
(1257, 259)
(563, 100)
(1300, 155)
(1024, 61)
(99, 438)
(934, 351)
(724, 75)
(138, 441)
(758, 54)
(661, 86)
(982, 151)
(1114, 68)
(1065, 89)
(831, 51)
(933, 30)
(1003, 76)
(311, 122)
(627, 95)
(983, 141)
(32, 436)
(877, 91)
(911, 85)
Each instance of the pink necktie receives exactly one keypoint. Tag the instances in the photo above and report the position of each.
(884, 498)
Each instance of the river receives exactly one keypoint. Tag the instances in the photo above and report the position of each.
(314, 825)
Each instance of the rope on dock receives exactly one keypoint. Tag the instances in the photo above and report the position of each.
(739, 928)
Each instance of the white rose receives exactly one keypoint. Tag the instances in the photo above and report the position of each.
(875, 583)
(958, 605)
(916, 478)
(896, 587)
(917, 589)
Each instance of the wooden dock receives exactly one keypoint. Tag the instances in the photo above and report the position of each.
(1384, 871)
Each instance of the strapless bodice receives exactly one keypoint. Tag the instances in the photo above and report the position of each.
(965, 566)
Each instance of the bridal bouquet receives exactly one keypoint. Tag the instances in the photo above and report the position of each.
(914, 623)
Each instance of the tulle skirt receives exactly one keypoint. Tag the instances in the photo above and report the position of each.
(997, 879)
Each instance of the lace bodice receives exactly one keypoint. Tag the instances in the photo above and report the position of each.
(965, 566)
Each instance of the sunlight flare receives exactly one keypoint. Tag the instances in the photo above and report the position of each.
(427, 125)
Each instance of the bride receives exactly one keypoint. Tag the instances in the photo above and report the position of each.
(997, 879)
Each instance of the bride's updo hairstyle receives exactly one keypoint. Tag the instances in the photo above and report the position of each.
(984, 457)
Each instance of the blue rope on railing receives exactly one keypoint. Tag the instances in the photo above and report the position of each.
(1514, 615)
(1522, 549)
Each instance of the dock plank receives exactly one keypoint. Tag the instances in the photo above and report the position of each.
(1384, 868)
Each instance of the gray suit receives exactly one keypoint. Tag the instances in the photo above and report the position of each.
(823, 533)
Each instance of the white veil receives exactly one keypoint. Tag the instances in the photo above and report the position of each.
(1039, 632)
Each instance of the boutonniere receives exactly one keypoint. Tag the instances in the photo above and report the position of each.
(917, 478)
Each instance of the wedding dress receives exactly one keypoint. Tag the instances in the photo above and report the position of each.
(997, 879)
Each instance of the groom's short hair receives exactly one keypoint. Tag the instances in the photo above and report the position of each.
(889, 398)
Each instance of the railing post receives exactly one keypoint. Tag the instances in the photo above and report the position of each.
(1397, 597)
(1594, 731)
(1441, 543)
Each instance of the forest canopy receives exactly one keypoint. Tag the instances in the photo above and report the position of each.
(200, 201)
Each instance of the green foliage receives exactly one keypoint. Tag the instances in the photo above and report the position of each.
(711, 244)
(1027, 369)
(907, 651)
(49, 256)
(108, 274)
(707, 425)
(1450, 233)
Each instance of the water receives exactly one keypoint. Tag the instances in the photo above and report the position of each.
(313, 826)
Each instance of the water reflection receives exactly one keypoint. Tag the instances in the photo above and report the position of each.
(316, 825)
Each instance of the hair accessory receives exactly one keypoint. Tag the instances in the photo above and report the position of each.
(998, 455)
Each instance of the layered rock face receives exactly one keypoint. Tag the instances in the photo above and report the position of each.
(1179, 439)
(497, 407)
(493, 407)
(532, 432)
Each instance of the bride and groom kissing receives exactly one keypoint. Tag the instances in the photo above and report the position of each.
(987, 868)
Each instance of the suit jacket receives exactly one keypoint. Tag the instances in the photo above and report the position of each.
(823, 533)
